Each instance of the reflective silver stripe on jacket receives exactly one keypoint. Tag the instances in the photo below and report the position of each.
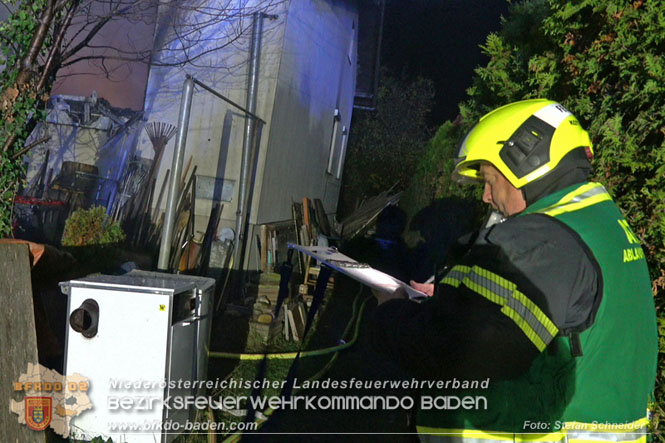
(572, 437)
(493, 438)
(517, 306)
(580, 198)
(573, 432)
(632, 435)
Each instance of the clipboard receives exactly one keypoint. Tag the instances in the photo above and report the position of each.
(360, 272)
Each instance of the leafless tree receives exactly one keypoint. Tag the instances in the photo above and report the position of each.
(43, 37)
(186, 30)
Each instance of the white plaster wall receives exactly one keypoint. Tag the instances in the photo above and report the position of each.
(307, 70)
(215, 132)
(317, 75)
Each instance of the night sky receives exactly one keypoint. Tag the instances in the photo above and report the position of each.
(438, 39)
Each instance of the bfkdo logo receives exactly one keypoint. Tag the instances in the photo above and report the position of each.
(38, 412)
(49, 399)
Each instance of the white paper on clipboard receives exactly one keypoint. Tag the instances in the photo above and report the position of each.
(365, 274)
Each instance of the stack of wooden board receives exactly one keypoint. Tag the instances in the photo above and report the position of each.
(295, 317)
(263, 324)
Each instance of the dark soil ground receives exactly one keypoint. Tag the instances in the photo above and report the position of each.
(363, 361)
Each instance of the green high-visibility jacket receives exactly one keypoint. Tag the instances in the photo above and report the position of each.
(592, 379)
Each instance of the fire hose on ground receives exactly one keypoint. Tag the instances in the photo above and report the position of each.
(354, 321)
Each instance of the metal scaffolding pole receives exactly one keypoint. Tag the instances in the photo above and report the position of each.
(176, 171)
(248, 142)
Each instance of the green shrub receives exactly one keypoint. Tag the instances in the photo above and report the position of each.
(604, 61)
(87, 227)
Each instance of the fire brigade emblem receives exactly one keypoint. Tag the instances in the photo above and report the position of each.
(38, 412)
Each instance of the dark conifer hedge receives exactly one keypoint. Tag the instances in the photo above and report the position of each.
(605, 61)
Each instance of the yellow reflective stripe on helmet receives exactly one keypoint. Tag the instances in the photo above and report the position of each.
(580, 198)
(514, 304)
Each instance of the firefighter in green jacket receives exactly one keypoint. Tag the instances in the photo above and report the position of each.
(552, 305)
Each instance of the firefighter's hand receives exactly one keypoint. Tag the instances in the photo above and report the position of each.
(384, 296)
(427, 288)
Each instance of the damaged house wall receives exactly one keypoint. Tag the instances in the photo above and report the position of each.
(84, 130)
(305, 94)
(306, 78)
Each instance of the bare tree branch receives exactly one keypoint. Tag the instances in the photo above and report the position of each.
(194, 29)
(27, 64)
(98, 27)
(48, 65)
(30, 146)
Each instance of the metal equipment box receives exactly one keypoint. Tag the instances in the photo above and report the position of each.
(141, 339)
